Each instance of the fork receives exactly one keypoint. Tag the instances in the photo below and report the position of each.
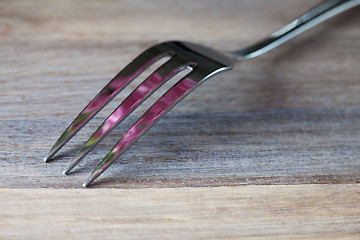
(203, 63)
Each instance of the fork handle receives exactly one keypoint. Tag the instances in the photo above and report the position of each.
(308, 20)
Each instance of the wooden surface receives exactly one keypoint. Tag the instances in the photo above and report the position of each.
(247, 212)
(290, 119)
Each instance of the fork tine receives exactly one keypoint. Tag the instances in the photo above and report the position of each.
(119, 82)
(144, 90)
(149, 118)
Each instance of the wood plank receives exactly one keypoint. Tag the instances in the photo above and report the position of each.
(310, 145)
(290, 117)
(246, 212)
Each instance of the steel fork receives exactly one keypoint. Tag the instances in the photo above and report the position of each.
(203, 62)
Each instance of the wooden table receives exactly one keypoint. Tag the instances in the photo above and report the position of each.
(269, 150)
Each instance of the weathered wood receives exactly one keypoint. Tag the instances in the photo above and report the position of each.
(247, 212)
(285, 118)
(309, 145)
(290, 118)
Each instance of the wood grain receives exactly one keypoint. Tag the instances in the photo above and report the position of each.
(247, 212)
(289, 117)
(198, 149)
(278, 124)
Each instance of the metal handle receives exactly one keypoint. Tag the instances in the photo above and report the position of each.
(311, 18)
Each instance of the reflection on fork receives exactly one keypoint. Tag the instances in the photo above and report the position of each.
(202, 61)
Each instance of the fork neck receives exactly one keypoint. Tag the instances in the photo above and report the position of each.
(308, 20)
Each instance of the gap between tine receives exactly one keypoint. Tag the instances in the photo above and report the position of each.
(174, 95)
(119, 82)
(169, 69)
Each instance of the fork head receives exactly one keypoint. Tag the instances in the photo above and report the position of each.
(204, 63)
